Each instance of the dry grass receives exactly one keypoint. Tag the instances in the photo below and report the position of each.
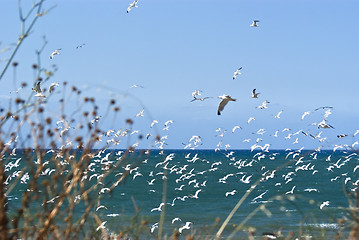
(62, 204)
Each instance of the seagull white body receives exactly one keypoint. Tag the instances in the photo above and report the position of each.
(237, 72)
(38, 90)
(159, 208)
(278, 114)
(56, 52)
(52, 86)
(223, 103)
(175, 219)
(264, 105)
(254, 24)
(231, 193)
(305, 114)
(186, 226)
(250, 119)
(132, 5)
(324, 204)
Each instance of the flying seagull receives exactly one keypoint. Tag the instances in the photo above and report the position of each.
(56, 52)
(322, 108)
(201, 99)
(38, 91)
(223, 103)
(254, 24)
(52, 86)
(238, 71)
(264, 105)
(132, 5)
(254, 94)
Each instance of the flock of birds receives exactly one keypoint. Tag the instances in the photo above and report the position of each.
(190, 177)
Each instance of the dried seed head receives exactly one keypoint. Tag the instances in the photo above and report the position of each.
(74, 88)
(34, 66)
(40, 110)
(85, 114)
(78, 92)
(129, 121)
(92, 99)
(15, 64)
(50, 133)
(48, 120)
(23, 84)
(86, 99)
(78, 139)
(116, 109)
(112, 101)
(39, 79)
(65, 83)
(158, 137)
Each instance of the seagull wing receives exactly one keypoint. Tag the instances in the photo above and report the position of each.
(221, 106)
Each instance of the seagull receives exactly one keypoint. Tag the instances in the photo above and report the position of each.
(140, 114)
(223, 103)
(235, 128)
(175, 219)
(153, 123)
(102, 226)
(254, 94)
(135, 86)
(323, 124)
(132, 5)
(80, 46)
(56, 52)
(231, 193)
(278, 114)
(38, 91)
(201, 99)
(305, 114)
(260, 196)
(264, 105)
(238, 71)
(52, 86)
(250, 119)
(196, 93)
(291, 191)
(326, 203)
(254, 24)
(37, 87)
(186, 226)
(322, 108)
(159, 208)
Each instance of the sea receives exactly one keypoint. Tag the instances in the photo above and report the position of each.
(204, 192)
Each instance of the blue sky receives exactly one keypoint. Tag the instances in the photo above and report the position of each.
(303, 55)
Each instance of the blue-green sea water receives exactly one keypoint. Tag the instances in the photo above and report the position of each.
(291, 190)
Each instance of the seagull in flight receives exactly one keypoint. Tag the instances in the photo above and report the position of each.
(237, 72)
(254, 94)
(186, 226)
(38, 90)
(52, 86)
(254, 24)
(322, 108)
(264, 105)
(56, 52)
(223, 103)
(200, 99)
(80, 46)
(132, 5)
